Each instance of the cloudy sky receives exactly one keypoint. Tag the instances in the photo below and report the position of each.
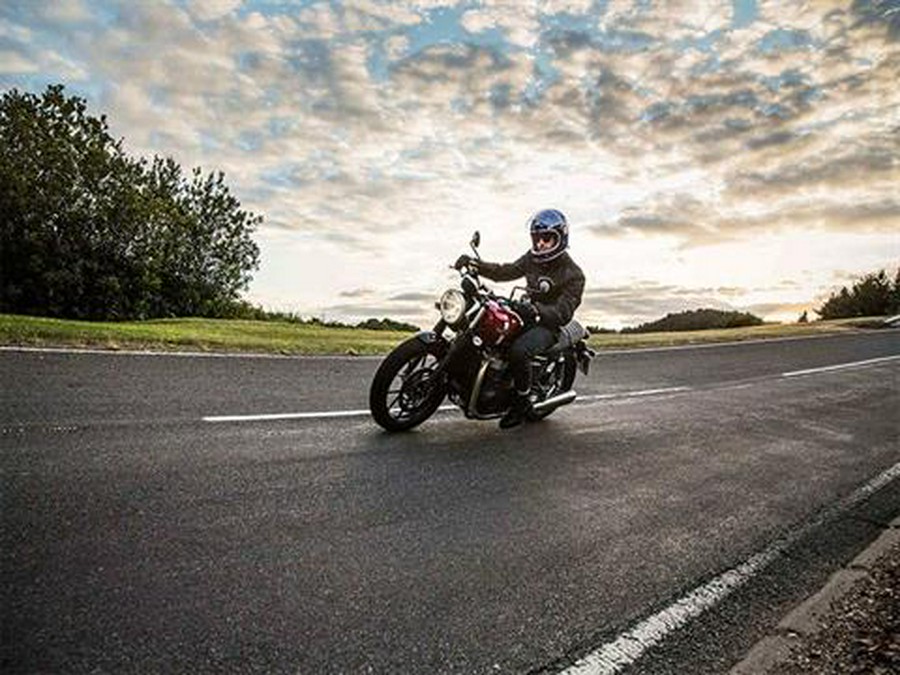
(735, 154)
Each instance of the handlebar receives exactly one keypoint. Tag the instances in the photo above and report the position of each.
(528, 291)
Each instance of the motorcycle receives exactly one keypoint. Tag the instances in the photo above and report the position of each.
(464, 358)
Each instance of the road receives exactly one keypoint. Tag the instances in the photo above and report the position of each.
(141, 535)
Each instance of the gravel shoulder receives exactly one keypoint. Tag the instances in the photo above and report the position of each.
(852, 625)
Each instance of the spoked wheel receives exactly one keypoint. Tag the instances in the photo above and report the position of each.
(405, 391)
(551, 383)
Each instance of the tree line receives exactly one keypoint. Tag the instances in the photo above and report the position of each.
(697, 319)
(88, 232)
(245, 310)
(873, 295)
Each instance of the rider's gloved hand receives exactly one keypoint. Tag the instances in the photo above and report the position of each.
(466, 261)
(527, 312)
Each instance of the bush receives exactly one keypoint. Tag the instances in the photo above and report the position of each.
(697, 319)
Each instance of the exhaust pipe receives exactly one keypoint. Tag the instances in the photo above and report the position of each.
(554, 402)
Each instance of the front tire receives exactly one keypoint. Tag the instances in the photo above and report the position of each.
(405, 391)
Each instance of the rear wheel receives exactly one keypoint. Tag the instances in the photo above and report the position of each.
(553, 382)
(405, 390)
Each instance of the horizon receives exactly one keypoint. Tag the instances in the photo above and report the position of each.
(740, 155)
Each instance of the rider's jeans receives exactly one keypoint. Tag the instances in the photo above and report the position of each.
(533, 341)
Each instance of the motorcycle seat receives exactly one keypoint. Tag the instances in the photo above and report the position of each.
(567, 337)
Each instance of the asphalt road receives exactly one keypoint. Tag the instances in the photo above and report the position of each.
(139, 537)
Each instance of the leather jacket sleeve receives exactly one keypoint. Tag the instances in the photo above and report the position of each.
(504, 271)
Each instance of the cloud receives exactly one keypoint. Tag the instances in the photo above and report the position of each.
(12, 62)
(65, 11)
(210, 10)
(662, 127)
(643, 302)
(357, 293)
(412, 297)
(517, 22)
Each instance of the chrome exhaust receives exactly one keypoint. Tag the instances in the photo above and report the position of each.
(554, 402)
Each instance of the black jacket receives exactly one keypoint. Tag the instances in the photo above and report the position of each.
(557, 306)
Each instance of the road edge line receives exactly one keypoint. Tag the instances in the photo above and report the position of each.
(632, 644)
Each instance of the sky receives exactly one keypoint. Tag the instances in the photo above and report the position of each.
(735, 154)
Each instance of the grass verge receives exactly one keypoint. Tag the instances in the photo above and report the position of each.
(273, 337)
(208, 335)
(712, 336)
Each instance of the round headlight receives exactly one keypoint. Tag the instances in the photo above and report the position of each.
(452, 306)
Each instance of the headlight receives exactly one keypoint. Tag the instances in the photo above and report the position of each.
(452, 306)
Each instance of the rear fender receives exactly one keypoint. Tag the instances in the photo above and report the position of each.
(584, 355)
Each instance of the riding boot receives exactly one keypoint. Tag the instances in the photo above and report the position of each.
(517, 412)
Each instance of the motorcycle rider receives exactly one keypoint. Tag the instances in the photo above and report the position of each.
(548, 267)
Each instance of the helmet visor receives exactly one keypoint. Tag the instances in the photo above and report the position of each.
(544, 241)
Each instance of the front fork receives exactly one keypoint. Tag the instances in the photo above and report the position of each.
(451, 348)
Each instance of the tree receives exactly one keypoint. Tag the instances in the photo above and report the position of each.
(88, 232)
(873, 295)
(894, 303)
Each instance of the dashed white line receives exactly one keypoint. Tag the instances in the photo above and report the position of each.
(633, 394)
(360, 413)
(581, 399)
(840, 366)
(285, 416)
(297, 416)
(631, 645)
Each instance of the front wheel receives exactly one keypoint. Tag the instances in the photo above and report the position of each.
(405, 390)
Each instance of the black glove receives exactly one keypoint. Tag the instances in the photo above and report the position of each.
(466, 261)
(527, 312)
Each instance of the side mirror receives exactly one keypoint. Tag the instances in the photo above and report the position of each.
(476, 241)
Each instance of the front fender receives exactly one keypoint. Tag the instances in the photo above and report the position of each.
(433, 340)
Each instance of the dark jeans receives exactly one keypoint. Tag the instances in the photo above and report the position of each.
(533, 341)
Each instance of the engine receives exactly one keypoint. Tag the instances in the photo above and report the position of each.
(496, 388)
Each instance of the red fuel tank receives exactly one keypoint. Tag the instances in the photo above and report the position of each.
(499, 324)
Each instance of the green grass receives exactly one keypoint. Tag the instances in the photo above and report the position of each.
(221, 335)
(212, 335)
(764, 332)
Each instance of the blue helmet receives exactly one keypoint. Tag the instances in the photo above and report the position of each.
(549, 234)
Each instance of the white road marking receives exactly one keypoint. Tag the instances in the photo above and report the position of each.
(840, 366)
(629, 646)
(360, 413)
(632, 394)
(581, 399)
(297, 416)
